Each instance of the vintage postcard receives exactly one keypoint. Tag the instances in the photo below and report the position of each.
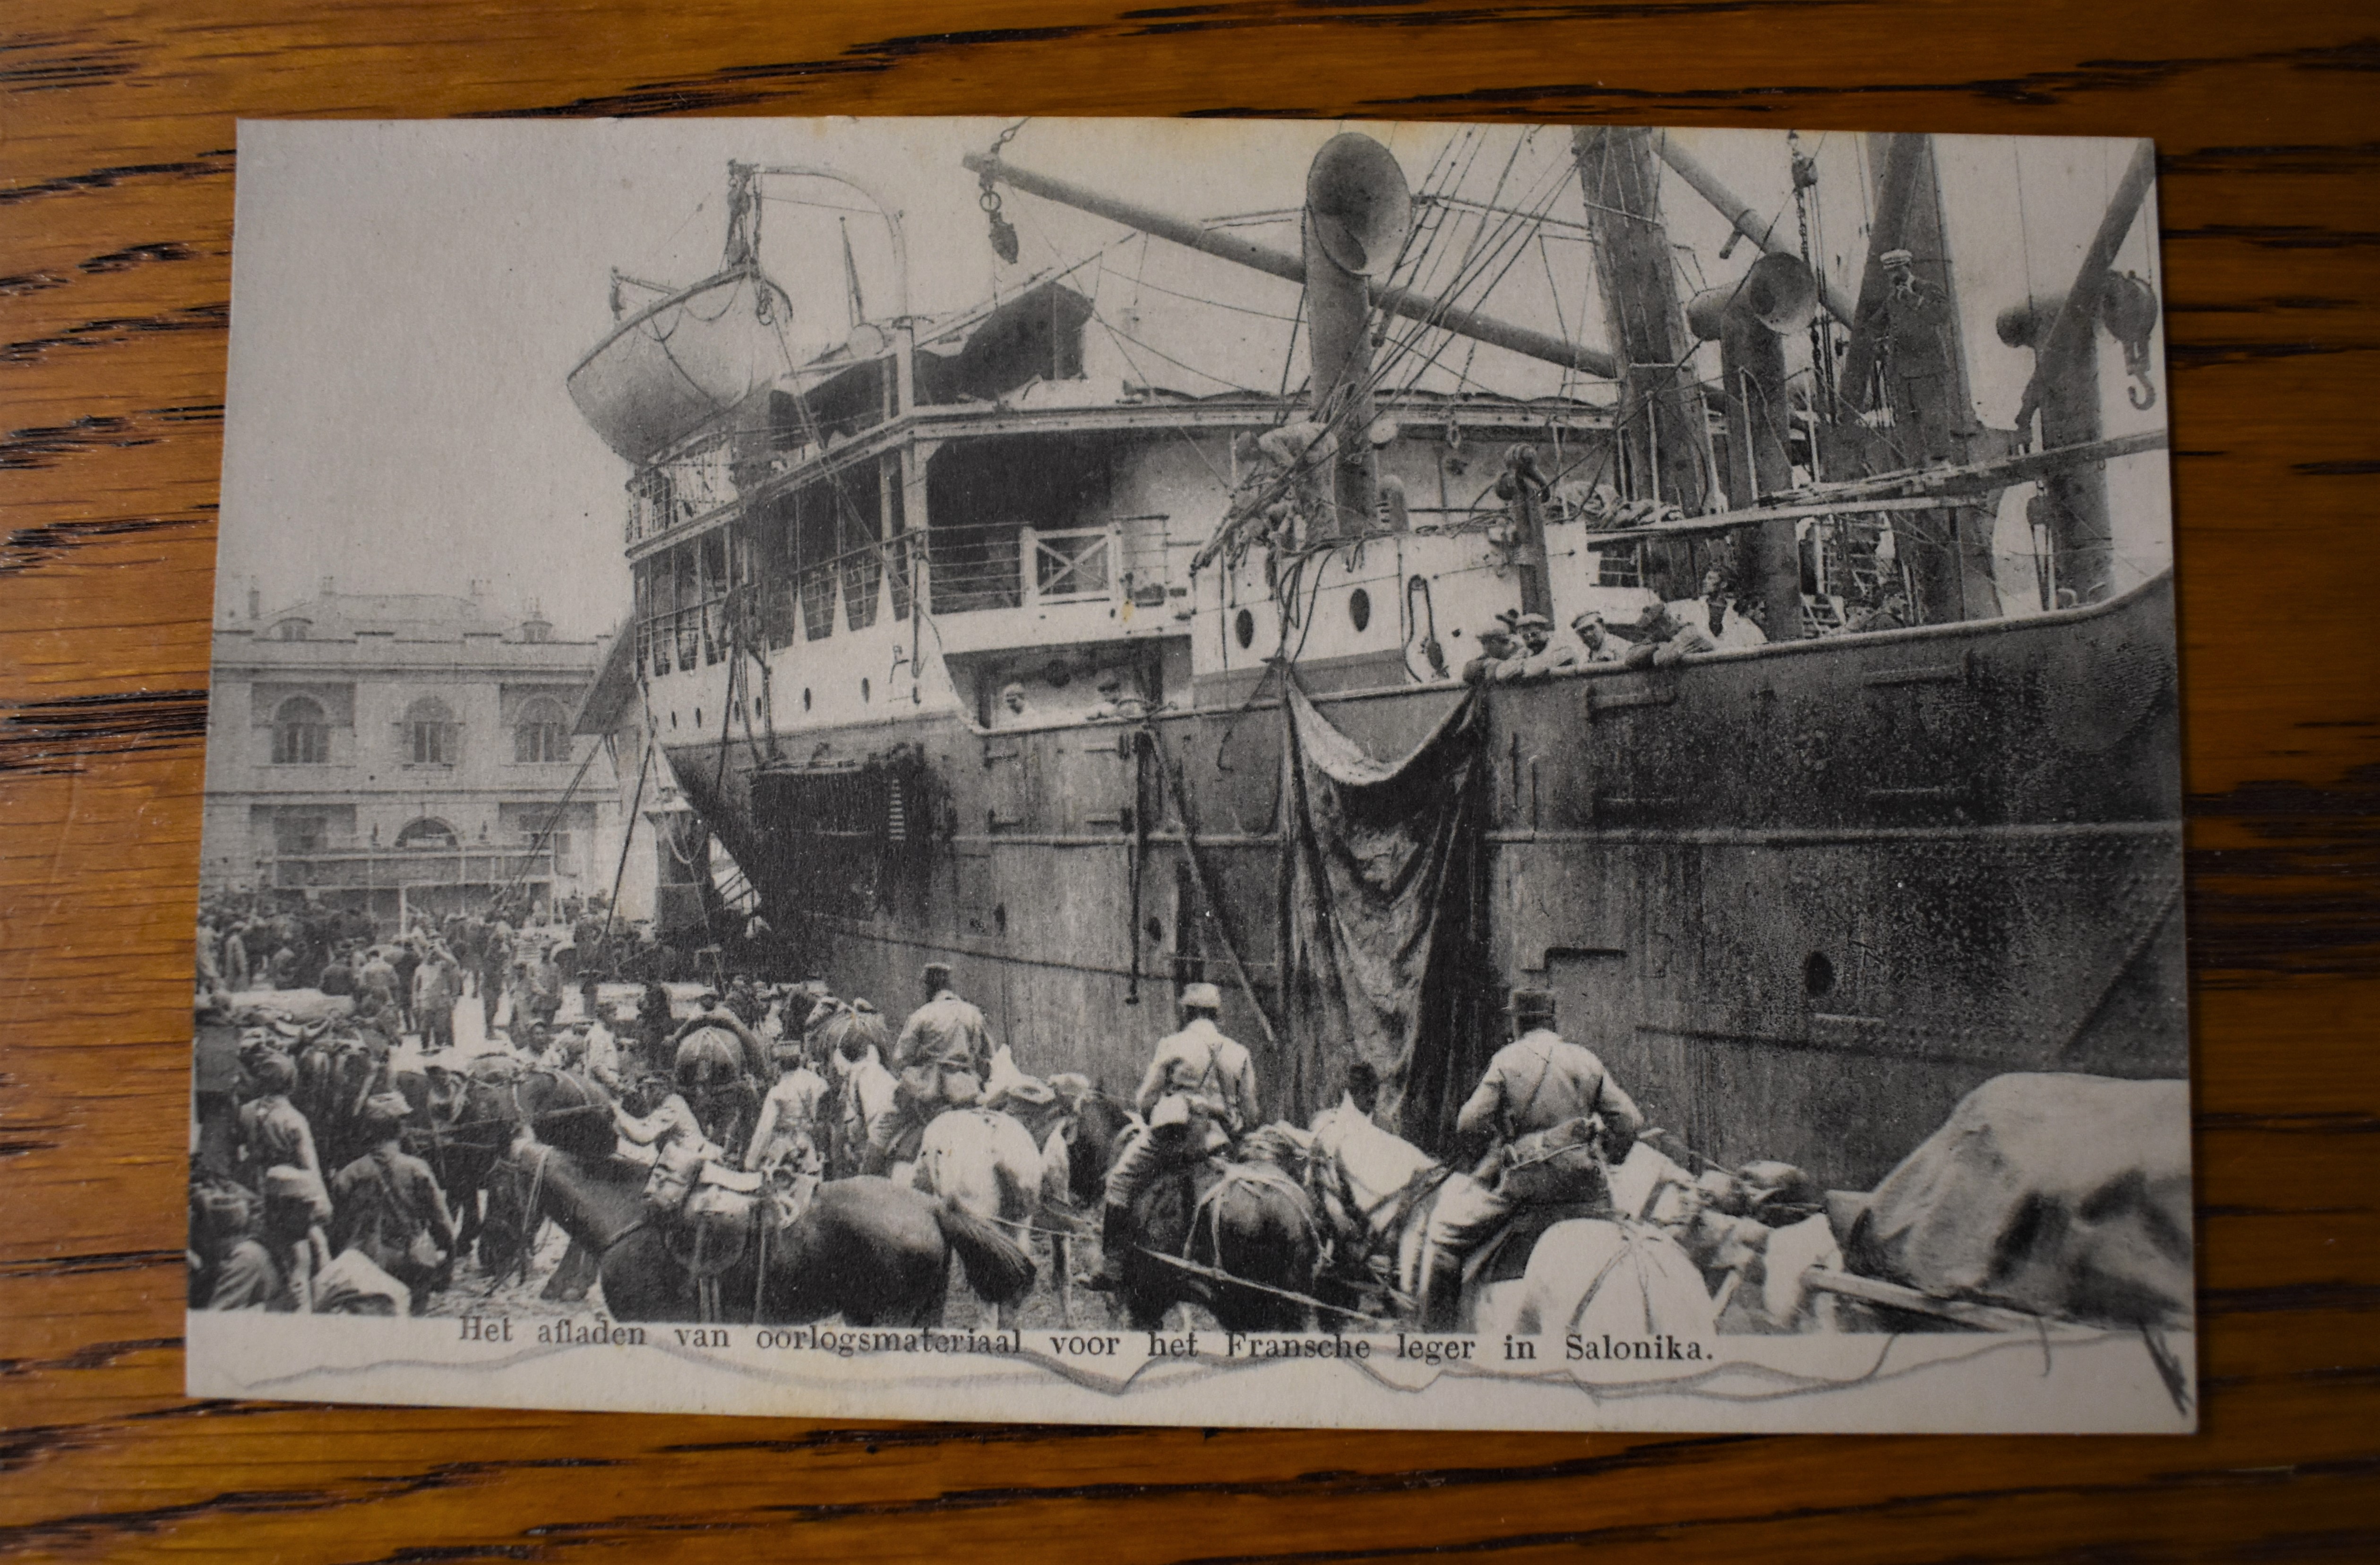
(1341, 774)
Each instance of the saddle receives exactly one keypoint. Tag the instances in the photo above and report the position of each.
(1506, 1254)
(1561, 1164)
(1251, 1176)
(1549, 1176)
(708, 1212)
(1041, 1107)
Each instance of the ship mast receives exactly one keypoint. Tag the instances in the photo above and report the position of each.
(2065, 386)
(1908, 338)
(1664, 428)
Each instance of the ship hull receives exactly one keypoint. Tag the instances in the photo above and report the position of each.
(1800, 899)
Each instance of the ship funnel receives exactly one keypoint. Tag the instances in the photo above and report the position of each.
(1778, 292)
(1358, 211)
(2027, 325)
(1356, 196)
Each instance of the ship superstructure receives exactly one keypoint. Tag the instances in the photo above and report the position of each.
(968, 637)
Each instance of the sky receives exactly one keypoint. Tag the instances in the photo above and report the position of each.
(408, 297)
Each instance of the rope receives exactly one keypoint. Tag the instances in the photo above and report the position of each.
(1214, 1274)
(532, 1220)
(627, 840)
(537, 844)
(1207, 896)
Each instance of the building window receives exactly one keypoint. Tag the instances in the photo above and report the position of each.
(430, 733)
(429, 833)
(543, 734)
(296, 832)
(302, 733)
(292, 630)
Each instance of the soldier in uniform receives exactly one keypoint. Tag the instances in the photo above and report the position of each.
(1496, 649)
(1539, 653)
(1555, 1120)
(386, 1199)
(1116, 701)
(1662, 637)
(273, 1131)
(275, 1267)
(1912, 317)
(1596, 644)
(792, 1131)
(1198, 1096)
(942, 1057)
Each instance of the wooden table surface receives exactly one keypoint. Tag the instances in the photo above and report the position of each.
(116, 203)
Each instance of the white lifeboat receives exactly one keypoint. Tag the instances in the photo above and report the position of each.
(686, 359)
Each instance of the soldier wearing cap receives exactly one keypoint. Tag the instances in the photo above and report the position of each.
(1496, 646)
(868, 1117)
(1595, 643)
(1912, 317)
(273, 1131)
(941, 1056)
(1198, 1094)
(385, 1200)
(1539, 656)
(1662, 638)
(793, 1118)
(1540, 1091)
(274, 1269)
(1116, 701)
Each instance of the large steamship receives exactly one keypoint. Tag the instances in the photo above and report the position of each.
(971, 635)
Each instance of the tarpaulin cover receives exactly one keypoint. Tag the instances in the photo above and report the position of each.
(2066, 1195)
(1378, 916)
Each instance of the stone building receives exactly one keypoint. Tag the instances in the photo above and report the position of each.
(404, 751)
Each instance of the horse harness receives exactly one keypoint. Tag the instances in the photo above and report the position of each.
(1242, 1176)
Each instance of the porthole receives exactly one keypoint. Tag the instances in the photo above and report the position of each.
(697, 717)
(805, 698)
(1359, 608)
(1818, 975)
(863, 691)
(1244, 626)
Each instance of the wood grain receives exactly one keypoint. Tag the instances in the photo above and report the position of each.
(115, 186)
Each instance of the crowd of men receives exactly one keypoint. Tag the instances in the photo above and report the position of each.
(309, 1192)
(311, 1110)
(1517, 648)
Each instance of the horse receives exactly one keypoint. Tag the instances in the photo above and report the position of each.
(865, 1249)
(1584, 1275)
(987, 1162)
(1240, 1238)
(1088, 1140)
(463, 1127)
(335, 1074)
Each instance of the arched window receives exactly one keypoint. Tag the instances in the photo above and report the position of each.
(430, 733)
(543, 734)
(302, 733)
(292, 629)
(429, 832)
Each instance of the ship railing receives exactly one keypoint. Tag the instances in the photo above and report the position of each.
(979, 565)
(681, 488)
(683, 640)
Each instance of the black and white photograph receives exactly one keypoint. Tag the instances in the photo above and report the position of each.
(1198, 772)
